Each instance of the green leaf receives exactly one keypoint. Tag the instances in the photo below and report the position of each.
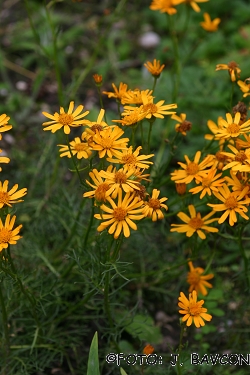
(123, 372)
(93, 361)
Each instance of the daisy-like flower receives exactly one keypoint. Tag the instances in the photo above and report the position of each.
(197, 280)
(183, 126)
(233, 202)
(157, 110)
(132, 159)
(238, 181)
(135, 96)
(208, 24)
(231, 127)
(164, 6)
(243, 144)
(181, 188)
(192, 3)
(123, 179)
(193, 310)
(153, 207)
(194, 223)
(3, 159)
(192, 170)
(155, 67)
(78, 148)
(92, 127)
(132, 117)
(240, 160)
(8, 235)
(107, 142)
(4, 126)
(119, 217)
(118, 92)
(245, 87)
(208, 183)
(65, 120)
(99, 185)
(233, 69)
(7, 198)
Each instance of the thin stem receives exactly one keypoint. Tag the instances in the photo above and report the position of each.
(177, 66)
(73, 160)
(245, 259)
(89, 225)
(5, 324)
(232, 95)
(149, 133)
(179, 369)
(155, 80)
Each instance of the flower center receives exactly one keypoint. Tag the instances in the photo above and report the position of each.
(206, 182)
(80, 146)
(129, 159)
(119, 213)
(241, 156)
(233, 129)
(231, 202)
(4, 197)
(193, 278)
(107, 143)
(196, 222)
(195, 309)
(96, 127)
(120, 177)
(154, 203)
(5, 235)
(220, 157)
(150, 108)
(65, 119)
(100, 193)
(192, 168)
(232, 65)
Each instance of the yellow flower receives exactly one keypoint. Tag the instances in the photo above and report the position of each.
(240, 160)
(194, 223)
(118, 92)
(232, 204)
(193, 310)
(154, 68)
(65, 120)
(154, 205)
(231, 128)
(99, 185)
(135, 96)
(78, 148)
(164, 6)
(119, 217)
(131, 117)
(245, 87)
(3, 159)
(132, 159)
(107, 141)
(8, 235)
(238, 182)
(209, 183)
(123, 179)
(193, 4)
(11, 196)
(156, 110)
(192, 170)
(198, 281)
(233, 69)
(208, 24)
(4, 126)
(183, 125)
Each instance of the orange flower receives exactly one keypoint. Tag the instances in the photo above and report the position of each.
(154, 68)
(193, 310)
(208, 24)
(233, 69)
(198, 281)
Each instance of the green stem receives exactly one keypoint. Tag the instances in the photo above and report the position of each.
(155, 80)
(5, 325)
(245, 259)
(177, 66)
(89, 225)
(73, 160)
(149, 133)
(56, 57)
(179, 369)
(232, 94)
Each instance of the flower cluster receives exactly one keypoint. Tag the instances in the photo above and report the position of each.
(8, 234)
